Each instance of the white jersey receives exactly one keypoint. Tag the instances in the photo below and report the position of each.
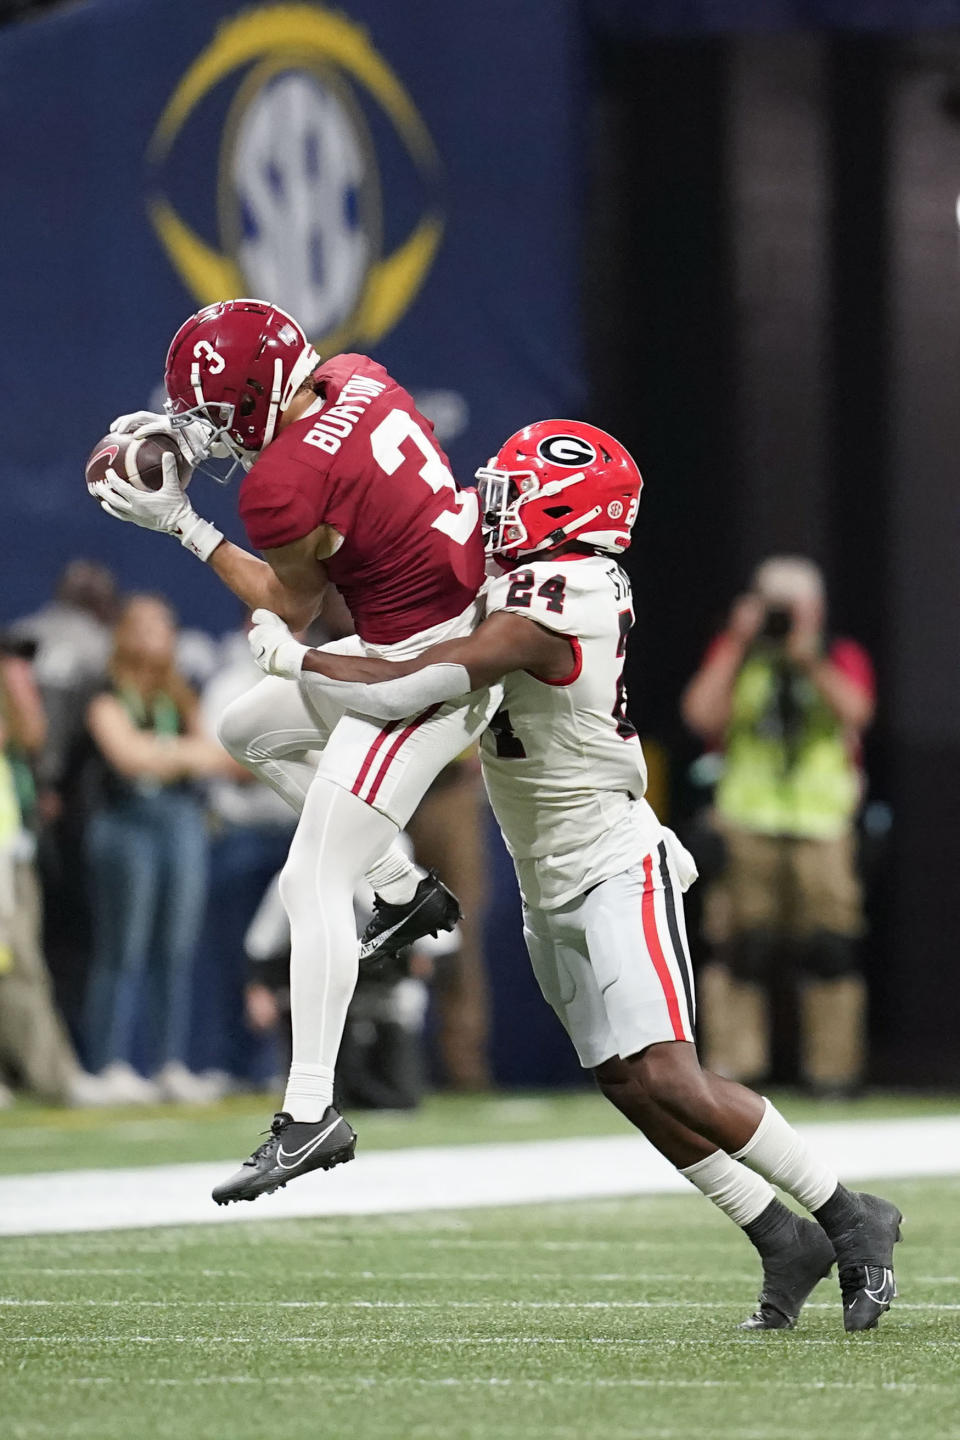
(563, 766)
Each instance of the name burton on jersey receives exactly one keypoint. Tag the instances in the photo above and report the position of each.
(332, 426)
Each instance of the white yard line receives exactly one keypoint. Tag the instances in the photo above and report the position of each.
(493, 1304)
(909, 1344)
(441, 1178)
(586, 1382)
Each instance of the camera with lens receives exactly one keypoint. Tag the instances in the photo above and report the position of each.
(15, 647)
(778, 623)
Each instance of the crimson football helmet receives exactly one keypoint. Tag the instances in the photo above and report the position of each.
(235, 366)
(556, 481)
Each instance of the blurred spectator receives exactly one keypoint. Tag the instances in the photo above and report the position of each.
(146, 850)
(34, 1044)
(788, 706)
(72, 639)
(251, 830)
(198, 656)
(448, 832)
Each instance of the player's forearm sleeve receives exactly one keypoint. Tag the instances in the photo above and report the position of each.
(395, 699)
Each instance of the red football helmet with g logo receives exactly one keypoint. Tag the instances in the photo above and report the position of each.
(236, 366)
(556, 481)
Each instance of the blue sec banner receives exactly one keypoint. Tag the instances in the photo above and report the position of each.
(405, 179)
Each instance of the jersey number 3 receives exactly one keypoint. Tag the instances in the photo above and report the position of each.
(459, 519)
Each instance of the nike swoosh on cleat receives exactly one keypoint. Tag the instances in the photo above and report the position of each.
(384, 936)
(882, 1295)
(297, 1157)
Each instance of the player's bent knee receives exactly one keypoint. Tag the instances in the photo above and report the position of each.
(668, 1068)
(621, 1082)
(294, 883)
(614, 1071)
(236, 729)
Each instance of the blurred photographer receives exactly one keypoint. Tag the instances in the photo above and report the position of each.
(35, 1050)
(788, 707)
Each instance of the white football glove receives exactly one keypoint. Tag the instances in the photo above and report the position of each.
(166, 510)
(274, 648)
(192, 438)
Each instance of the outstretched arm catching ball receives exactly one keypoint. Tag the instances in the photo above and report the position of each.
(290, 580)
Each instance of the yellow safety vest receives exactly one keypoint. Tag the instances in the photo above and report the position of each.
(805, 784)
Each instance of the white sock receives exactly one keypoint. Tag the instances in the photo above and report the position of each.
(734, 1189)
(336, 840)
(309, 1091)
(395, 877)
(778, 1153)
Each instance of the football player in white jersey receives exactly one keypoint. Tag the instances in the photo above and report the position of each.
(602, 880)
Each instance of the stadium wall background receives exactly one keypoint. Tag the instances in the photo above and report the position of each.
(736, 250)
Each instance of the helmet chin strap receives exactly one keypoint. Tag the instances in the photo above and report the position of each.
(275, 393)
(562, 531)
(580, 520)
(195, 384)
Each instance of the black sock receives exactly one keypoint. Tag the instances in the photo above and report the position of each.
(766, 1229)
(838, 1214)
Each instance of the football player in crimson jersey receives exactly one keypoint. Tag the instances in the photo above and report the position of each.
(344, 482)
(602, 880)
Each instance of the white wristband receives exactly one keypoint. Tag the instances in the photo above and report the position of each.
(287, 660)
(198, 536)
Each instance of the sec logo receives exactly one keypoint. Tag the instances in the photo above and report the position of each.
(304, 196)
(615, 509)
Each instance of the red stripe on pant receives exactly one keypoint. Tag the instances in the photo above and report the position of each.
(372, 755)
(391, 754)
(652, 937)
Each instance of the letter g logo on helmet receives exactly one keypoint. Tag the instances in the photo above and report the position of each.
(567, 450)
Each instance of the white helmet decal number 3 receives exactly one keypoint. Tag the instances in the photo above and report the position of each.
(215, 361)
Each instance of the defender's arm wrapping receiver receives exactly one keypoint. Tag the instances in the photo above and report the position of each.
(391, 690)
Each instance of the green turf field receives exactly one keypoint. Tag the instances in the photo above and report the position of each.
(577, 1320)
(34, 1139)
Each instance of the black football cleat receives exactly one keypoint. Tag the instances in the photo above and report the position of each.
(799, 1258)
(393, 928)
(865, 1263)
(293, 1148)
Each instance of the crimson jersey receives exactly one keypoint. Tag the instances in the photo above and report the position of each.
(364, 461)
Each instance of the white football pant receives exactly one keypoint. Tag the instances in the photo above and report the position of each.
(355, 782)
(615, 964)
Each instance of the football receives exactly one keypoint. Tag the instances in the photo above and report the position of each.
(139, 461)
